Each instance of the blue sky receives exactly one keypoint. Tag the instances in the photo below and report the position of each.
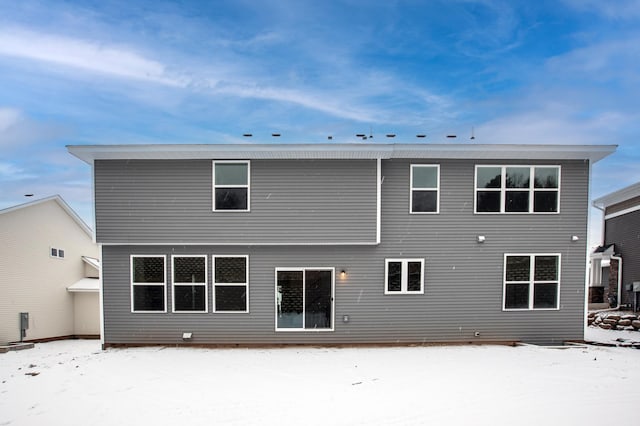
(98, 72)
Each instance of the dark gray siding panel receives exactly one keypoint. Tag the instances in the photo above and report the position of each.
(463, 279)
(292, 201)
(624, 232)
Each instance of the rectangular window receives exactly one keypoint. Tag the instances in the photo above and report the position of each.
(189, 283)
(425, 184)
(404, 276)
(517, 189)
(231, 185)
(231, 284)
(531, 281)
(148, 283)
(304, 299)
(56, 252)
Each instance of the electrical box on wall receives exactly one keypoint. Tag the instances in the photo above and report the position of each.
(24, 320)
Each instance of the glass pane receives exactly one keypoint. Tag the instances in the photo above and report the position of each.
(231, 270)
(231, 199)
(394, 276)
(318, 299)
(488, 201)
(546, 268)
(414, 276)
(517, 201)
(545, 296)
(61, 253)
(425, 177)
(517, 177)
(54, 252)
(516, 296)
(189, 297)
(289, 299)
(231, 298)
(232, 174)
(518, 268)
(545, 201)
(489, 177)
(189, 269)
(148, 269)
(148, 298)
(546, 177)
(424, 201)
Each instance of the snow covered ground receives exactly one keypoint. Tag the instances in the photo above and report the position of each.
(78, 384)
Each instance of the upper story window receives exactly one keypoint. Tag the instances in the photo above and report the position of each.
(517, 189)
(425, 185)
(404, 276)
(148, 283)
(58, 253)
(231, 185)
(531, 281)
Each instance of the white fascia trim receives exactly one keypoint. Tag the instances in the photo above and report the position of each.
(622, 212)
(371, 151)
(619, 196)
(236, 244)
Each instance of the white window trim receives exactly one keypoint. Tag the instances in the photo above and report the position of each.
(244, 284)
(248, 185)
(404, 279)
(412, 188)
(333, 299)
(503, 189)
(531, 281)
(175, 284)
(57, 256)
(163, 284)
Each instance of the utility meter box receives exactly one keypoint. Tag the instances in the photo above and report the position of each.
(24, 320)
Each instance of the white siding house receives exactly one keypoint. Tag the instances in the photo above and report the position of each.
(48, 269)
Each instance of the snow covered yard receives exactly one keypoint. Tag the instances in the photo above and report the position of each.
(78, 384)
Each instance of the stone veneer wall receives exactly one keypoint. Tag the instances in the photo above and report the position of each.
(614, 320)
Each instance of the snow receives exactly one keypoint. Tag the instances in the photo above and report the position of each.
(79, 384)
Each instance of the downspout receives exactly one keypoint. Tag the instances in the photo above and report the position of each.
(618, 258)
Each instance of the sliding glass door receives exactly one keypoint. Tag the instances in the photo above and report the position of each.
(304, 299)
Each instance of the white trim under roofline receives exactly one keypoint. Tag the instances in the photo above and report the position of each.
(622, 212)
(370, 151)
(619, 196)
(236, 244)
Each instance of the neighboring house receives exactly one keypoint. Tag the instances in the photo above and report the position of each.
(615, 265)
(342, 243)
(46, 255)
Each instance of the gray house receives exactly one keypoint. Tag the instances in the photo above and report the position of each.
(341, 243)
(615, 265)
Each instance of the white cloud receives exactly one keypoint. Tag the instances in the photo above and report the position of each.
(85, 55)
(17, 131)
(618, 9)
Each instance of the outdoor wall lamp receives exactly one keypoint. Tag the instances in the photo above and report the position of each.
(575, 238)
(187, 336)
(480, 238)
(343, 274)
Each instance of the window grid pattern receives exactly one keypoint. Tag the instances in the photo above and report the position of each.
(517, 189)
(531, 281)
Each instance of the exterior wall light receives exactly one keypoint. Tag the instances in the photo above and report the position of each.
(480, 238)
(187, 336)
(575, 238)
(343, 274)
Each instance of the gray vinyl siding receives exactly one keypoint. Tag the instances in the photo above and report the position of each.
(292, 201)
(624, 232)
(463, 279)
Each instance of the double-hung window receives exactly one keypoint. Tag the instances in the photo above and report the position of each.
(404, 276)
(231, 185)
(189, 283)
(231, 283)
(148, 283)
(425, 185)
(517, 189)
(531, 281)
